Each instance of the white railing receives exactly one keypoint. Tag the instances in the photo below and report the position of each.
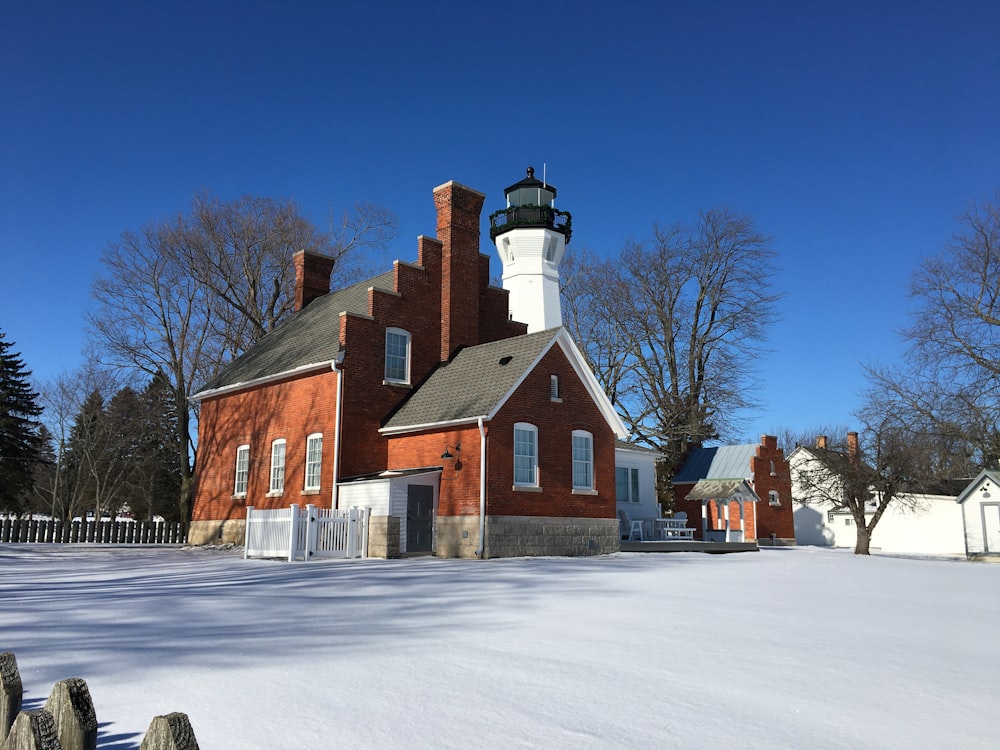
(298, 533)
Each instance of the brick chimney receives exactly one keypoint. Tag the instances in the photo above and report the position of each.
(312, 277)
(821, 442)
(458, 212)
(852, 446)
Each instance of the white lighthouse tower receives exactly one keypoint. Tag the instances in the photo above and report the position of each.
(531, 236)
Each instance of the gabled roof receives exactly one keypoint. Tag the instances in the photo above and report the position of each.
(723, 462)
(986, 475)
(310, 338)
(723, 489)
(479, 380)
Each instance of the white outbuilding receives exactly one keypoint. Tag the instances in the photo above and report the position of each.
(980, 503)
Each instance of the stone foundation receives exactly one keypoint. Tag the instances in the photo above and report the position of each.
(525, 536)
(383, 537)
(218, 532)
(456, 536)
(767, 541)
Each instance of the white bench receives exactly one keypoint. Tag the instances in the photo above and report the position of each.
(673, 529)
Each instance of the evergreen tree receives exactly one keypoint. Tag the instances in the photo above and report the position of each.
(82, 457)
(162, 475)
(20, 443)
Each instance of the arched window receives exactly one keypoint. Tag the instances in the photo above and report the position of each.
(525, 455)
(397, 355)
(773, 498)
(583, 460)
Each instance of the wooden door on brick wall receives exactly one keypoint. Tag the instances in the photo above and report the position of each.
(419, 518)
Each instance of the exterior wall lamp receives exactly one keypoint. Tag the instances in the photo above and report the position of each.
(447, 454)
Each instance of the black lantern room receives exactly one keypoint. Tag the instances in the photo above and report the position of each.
(530, 205)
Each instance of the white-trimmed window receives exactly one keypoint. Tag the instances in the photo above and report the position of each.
(242, 471)
(525, 455)
(278, 467)
(773, 498)
(626, 484)
(397, 355)
(583, 460)
(314, 460)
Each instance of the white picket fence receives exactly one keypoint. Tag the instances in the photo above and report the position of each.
(298, 533)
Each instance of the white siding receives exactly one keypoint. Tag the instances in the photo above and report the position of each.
(372, 494)
(932, 527)
(646, 464)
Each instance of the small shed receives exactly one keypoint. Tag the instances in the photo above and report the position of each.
(403, 506)
(980, 502)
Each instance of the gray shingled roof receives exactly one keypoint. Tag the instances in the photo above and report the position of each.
(723, 462)
(310, 336)
(472, 384)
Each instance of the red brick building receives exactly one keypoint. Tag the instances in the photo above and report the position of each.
(418, 394)
(748, 487)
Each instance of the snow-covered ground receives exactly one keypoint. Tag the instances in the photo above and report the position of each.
(786, 648)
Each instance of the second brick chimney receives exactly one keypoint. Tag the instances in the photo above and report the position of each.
(312, 277)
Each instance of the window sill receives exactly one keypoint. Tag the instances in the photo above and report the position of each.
(397, 383)
(311, 491)
(579, 491)
(239, 496)
(556, 400)
(526, 488)
(275, 493)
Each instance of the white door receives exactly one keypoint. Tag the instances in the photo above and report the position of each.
(991, 527)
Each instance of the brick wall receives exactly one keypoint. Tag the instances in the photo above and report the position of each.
(772, 472)
(555, 422)
(290, 409)
(459, 490)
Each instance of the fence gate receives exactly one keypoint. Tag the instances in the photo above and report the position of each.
(298, 533)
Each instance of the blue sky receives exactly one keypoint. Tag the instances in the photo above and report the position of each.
(854, 133)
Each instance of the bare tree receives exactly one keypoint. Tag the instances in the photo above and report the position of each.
(672, 326)
(154, 316)
(886, 466)
(184, 297)
(241, 252)
(950, 380)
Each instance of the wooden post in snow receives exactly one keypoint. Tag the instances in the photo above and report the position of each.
(33, 730)
(10, 692)
(170, 732)
(73, 712)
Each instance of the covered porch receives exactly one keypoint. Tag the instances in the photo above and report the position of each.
(723, 493)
